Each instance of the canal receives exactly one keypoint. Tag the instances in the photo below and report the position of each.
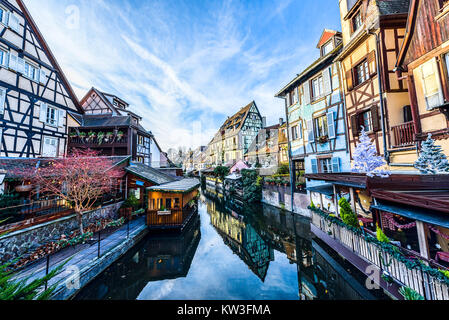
(226, 253)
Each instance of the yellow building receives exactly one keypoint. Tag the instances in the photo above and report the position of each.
(234, 137)
(373, 32)
(424, 62)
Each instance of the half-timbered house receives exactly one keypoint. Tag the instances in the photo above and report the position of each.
(110, 127)
(424, 62)
(316, 113)
(235, 136)
(375, 99)
(37, 103)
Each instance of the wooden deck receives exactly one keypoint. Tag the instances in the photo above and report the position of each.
(177, 219)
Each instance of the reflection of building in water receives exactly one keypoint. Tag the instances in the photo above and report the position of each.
(321, 277)
(243, 239)
(158, 257)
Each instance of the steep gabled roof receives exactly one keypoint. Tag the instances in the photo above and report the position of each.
(50, 55)
(326, 36)
(102, 97)
(387, 7)
(410, 29)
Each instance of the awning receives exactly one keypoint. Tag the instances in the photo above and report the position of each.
(326, 189)
(428, 216)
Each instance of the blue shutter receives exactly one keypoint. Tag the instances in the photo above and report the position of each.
(331, 125)
(336, 165)
(314, 165)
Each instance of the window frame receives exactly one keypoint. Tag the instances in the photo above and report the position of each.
(361, 121)
(320, 88)
(358, 13)
(366, 72)
(318, 127)
(31, 66)
(328, 161)
(323, 47)
(56, 116)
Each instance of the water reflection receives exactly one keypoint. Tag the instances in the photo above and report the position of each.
(257, 252)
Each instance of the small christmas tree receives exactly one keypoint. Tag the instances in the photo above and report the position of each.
(347, 215)
(432, 160)
(366, 159)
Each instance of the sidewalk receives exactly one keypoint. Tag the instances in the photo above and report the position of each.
(85, 264)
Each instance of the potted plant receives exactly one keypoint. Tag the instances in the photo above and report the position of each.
(82, 135)
(108, 136)
(119, 135)
(73, 134)
(100, 137)
(91, 135)
(323, 139)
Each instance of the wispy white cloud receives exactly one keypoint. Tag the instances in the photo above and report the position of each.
(180, 64)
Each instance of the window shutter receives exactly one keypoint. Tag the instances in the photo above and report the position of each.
(13, 58)
(43, 112)
(300, 130)
(372, 65)
(61, 117)
(314, 165)
(327, 82)
(355, 125)
(310, 131)
(336, 167)
(288, 99)
(13, 22)
(331, 125)
(21, 65)
(2, 100)
(306, 88)
(349, 82)
(375, 118)
(5, 58)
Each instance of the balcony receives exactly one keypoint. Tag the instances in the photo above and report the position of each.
(404, 135)
(405, 267)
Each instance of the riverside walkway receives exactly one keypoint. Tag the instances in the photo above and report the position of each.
(84, 264)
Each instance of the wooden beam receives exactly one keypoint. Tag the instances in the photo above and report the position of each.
(422, 239)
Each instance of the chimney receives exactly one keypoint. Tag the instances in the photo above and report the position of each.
(264, 122)
(281, 121)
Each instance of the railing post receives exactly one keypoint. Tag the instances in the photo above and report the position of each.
(99, 239)
(127, 236)
(47, 270)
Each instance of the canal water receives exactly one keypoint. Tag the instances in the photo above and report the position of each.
(225, 253)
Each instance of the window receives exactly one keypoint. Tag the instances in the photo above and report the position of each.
(356, 21)
(294, 133)
(321, 126)
(294, 96)
(168, 203)
(52, 116)
(3, 57)
(31, 72)
(141, 140)
(326, 165)
(140, 159)
(317, 88)
(431, 84)
(328, 47)
(177, 204)
(50, 147)
(366, 120)
(361, 72)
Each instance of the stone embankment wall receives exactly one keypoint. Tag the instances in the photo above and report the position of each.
(17, 243)
(280, 197)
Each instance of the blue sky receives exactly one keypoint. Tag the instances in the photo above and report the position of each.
(185, 65)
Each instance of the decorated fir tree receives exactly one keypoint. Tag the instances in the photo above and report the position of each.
(432, 160)
(347, 215)
(366, 159)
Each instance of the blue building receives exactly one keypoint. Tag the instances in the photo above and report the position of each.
(316, 113)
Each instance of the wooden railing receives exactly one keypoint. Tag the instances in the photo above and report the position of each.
(95, 141)
(176, 218)
(404, 134)
(422, 282)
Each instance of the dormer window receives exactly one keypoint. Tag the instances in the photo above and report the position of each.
(356, 21)
(328, 47)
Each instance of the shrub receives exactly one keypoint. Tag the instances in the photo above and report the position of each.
(131, 202)
(284, 169)
(221, 172)
(346, 213)
(410, 294)
(252, 186)
(381, 235)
